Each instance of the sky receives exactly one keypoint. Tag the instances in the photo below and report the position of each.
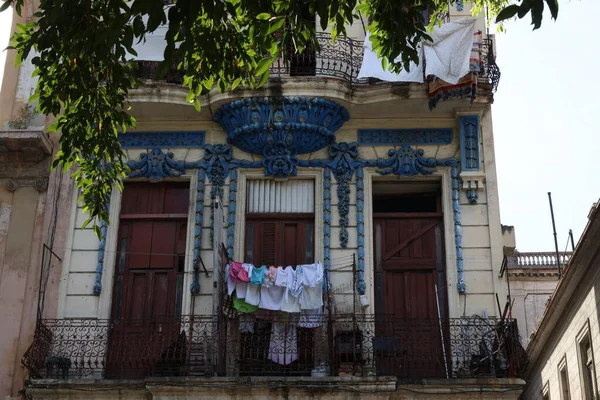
(546, 135)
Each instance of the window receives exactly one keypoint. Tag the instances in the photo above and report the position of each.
(546, 391)
(586, 364)
(563, 375)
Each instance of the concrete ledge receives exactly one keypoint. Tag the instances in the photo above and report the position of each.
(25, 141)
(276, 388)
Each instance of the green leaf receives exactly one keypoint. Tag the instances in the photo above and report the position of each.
(553, 6)
(264, 78)
(263, 66)
(507, 13)
(5, 5)
(276, 26)
(263, 16)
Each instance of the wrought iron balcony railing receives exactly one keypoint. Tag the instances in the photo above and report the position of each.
(276, 346)
(341, 59)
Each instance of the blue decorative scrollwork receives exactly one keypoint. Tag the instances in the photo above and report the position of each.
(199, 218)
(406, 161)
(344, 160)
(156, 165)
(100, 265)
(360, 227)
(460, 285)
(469, 142)
(233, 176)
(460, 5)
(280, 128)
(217, 159)
(279, 161)
(472, 196)
(395, 137)
(327, 228)
(165, 140)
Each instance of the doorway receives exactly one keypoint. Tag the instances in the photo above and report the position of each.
(145, 337)
(410, 301)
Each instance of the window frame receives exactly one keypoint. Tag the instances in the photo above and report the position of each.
(564, 386)
(588, 384)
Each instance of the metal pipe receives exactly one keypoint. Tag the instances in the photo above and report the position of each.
(572, 241)
(555, 238)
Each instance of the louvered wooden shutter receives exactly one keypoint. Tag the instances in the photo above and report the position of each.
(267, 243)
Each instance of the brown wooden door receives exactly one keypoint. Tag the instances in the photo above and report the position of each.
(409, 340)
(148, 281)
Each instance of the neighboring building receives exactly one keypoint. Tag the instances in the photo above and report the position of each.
(398, 203)
(563, 351)
(531, 278)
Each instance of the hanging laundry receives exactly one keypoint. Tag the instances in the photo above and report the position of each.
(447, 55)
(258, 275)
(298, 282)
(439, 90)
(371, 67)
(312, 274)
(270, 277)
(283, 348)
(311, 318)
(253, 294)
(234, 271)
(476, 61)
(243, 307)
(271, 298)
(230, 281)
(311, 297)
(245, 272)
(241, 288)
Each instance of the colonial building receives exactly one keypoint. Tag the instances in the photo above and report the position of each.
(531, 278)
(383, 193)
(563, 351)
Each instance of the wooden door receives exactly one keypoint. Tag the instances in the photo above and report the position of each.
(148, 281)
(408, 270)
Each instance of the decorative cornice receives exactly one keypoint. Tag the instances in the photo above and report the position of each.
(38, 183)
(165, 140)
(156, 165)
(396, 137)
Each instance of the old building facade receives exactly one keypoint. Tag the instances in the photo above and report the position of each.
(563, 349)
(388, 189)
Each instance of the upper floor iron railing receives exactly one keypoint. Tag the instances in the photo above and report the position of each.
(341, 59)
(276, 345)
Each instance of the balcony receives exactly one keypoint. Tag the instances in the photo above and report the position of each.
(339, 60)
(326, 347)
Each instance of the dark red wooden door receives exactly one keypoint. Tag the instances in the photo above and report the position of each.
(409, 332)
(148, 283)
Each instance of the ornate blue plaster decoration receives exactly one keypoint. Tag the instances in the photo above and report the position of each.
(460, 285)
(280, 128)
(460, 5)
(406, 161)
(469, 142)
(233, 177)
(344, 160)
(217, 159)
(100, 265)
(279, 161)
(165, 140)
(396, 137)
(326, 228)
(156, 165)
(198, 222)
(472, 196)
(360, 227)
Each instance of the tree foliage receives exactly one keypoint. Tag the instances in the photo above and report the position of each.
(80, 57)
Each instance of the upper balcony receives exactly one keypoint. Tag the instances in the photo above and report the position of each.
(535, 263)
(323, 346)
(341, 60)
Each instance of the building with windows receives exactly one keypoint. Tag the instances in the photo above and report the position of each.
(382, 188)
(531, 278)
(563, 351)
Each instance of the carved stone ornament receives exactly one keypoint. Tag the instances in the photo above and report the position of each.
(472, 183)
(39, 183)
